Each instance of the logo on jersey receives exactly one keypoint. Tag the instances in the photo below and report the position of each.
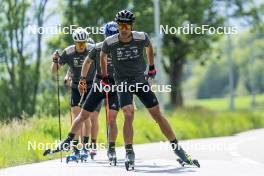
(119, 53)
(75, 62)
(114, 105)
(135, 51)
(127, 53)
(78, 62)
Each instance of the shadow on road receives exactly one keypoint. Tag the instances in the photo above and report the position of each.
(141, 167)
(167, 169)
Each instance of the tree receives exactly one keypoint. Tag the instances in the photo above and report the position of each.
(13, 30)
(40, 10)
(179, 48)
(19, 84)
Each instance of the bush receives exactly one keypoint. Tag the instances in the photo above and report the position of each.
(187, 123)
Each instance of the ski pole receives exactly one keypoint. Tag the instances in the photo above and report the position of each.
(81, 100)
(107, 116)
(58, 98)
(69, 94)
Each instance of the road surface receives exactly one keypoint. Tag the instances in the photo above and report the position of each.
(240, 155)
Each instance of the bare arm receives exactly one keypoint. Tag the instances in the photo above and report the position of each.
(86, 66)
(150, 54)
(103, 63)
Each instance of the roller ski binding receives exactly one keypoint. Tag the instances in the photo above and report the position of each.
(92, 150)
(74, 157)
(184, 158)
(130, 160)
(92, 153)
(111, 154)
(84, 155)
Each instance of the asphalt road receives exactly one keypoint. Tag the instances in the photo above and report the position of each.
(240, 155)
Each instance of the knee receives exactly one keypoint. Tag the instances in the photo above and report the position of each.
(75, 111)
(112, 121)
(94, 117)
(83, 115)
(113, 115)
(128, 113)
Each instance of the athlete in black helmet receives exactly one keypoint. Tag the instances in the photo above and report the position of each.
(126, 50)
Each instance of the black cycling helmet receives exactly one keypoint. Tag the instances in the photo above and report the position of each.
(125, 16)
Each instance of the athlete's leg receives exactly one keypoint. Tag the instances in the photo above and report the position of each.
(113, 126)
(162, 122)
(87, 128)
(75, 112)
(79, 120)
(75, 109)
(128, 132)
(94, 122)
(149, 99)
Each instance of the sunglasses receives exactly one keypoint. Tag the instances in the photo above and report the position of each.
(124, 26)
(80, 43)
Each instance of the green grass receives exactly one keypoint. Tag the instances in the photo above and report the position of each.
(221, 104)
(187, 123)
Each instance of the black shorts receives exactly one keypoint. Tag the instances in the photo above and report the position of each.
(144, 93)
(96, 98)
(77, 100)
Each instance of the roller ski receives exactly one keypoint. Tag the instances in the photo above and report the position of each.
(64, 146)
(130, 160)
(92, 150)
(50, 151)
(74, 157)
(184, 158)
(92, 153)
(84, 155)
(111, 154)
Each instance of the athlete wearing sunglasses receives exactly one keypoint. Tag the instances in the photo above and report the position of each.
(126, 50)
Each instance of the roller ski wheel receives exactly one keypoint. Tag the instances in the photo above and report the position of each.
(130, 161)
(113, 161)
(92, 154)
(184, 158)
(111, 154)
(130, 165)
(84, 156)
(192, 162)
(72, 158)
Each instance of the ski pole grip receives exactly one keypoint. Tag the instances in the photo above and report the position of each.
(57, 53)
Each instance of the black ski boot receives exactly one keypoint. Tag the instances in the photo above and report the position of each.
(130, 160)
(111, 154)
(63, 146)
(184, 158)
